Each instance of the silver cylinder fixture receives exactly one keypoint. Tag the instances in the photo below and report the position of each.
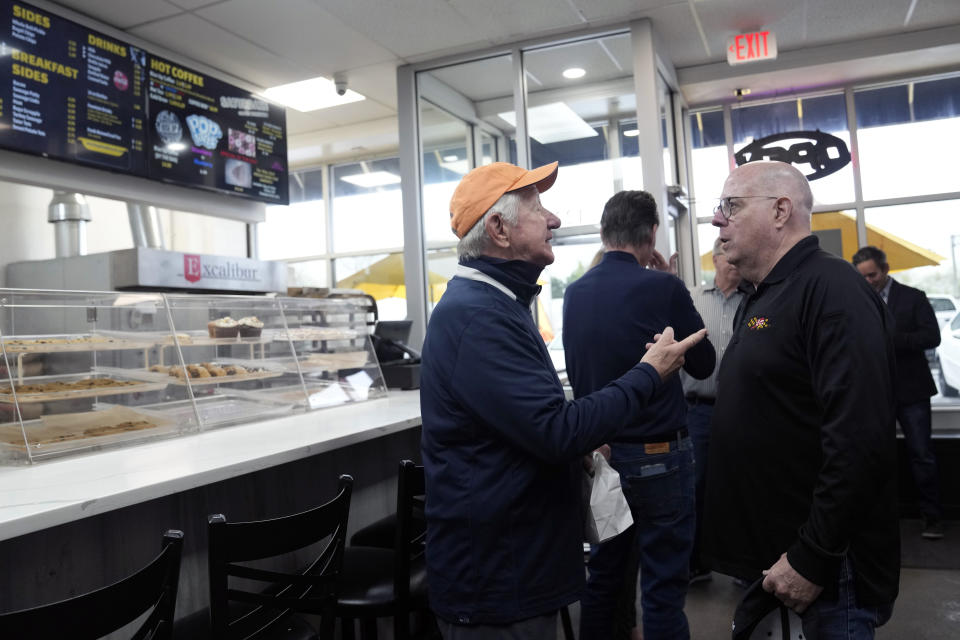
(145, 225)
(69, 214)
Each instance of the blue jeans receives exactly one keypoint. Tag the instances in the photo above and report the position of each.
(914, 422)
(660, 490)
(698, 424)
(843, 619)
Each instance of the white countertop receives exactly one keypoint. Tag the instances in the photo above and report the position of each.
(47, 494)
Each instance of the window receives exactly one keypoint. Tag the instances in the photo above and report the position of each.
(367, 205)
(824, 113)
(921, 242)
(907, 137)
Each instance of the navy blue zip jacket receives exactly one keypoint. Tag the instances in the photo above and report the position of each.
(501, 451)
(609, 315)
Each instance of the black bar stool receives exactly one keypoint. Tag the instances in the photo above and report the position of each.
(109, 609)
(270, 613)
(380, 582)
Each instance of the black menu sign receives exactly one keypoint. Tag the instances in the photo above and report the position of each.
(75, 94)
(70, 92)
(204, 132)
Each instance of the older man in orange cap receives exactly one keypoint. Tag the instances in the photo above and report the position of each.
(501, 444)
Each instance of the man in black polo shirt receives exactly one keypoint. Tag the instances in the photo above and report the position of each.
(799, 488)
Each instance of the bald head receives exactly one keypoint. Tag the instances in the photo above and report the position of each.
(769, 212)
(778, 178)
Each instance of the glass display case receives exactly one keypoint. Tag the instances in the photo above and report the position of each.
(82, 371)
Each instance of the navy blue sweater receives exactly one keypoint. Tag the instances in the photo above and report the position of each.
(501, 452)
(609, 315)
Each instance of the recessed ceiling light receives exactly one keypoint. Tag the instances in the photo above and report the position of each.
(554, 122)
(310, 95)
(631, 133)
(451, 158)
(573, 73)
(372, 179)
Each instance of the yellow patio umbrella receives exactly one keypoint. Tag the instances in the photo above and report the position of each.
(384, 279)
(901, 254)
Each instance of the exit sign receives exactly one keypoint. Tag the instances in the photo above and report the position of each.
(751, 47)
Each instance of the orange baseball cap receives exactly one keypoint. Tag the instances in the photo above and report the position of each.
(482, 187)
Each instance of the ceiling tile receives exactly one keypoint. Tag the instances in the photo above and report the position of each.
(122, 14)
(195, 38)
(299, 122)
(299, 30)
(399, 26)
(506, 20)
(190, 5)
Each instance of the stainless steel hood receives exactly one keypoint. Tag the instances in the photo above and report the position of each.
(147, 269)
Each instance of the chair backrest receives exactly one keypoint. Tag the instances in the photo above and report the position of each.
(411, 539)
(311, 589)
(105, 610)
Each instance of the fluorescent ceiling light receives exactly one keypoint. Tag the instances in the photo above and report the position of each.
(631, 133)
(573, 73)
(554, 122)
(451, 158)
(372, 179)
(310, 95)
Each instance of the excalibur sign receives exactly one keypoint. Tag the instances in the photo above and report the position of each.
(823, 152)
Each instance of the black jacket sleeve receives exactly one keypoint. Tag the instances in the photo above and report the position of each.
(916, 326)
(849, 351)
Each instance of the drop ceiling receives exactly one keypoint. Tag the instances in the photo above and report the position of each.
(262, 43)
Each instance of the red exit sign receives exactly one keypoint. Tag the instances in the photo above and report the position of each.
(751, 47)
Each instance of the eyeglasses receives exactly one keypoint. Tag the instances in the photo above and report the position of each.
(725, 206)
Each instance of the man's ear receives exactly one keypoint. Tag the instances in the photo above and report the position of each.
(885, 268)
(497, 230)
(783, 212)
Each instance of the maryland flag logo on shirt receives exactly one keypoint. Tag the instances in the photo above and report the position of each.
(756, 323)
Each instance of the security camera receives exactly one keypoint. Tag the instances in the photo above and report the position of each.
(340, 82)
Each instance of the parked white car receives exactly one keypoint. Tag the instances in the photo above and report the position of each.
(944, 307)
(948, 358)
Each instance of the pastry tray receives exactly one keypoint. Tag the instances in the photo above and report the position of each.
(6, 394)
(165, 378)
(222, 409)
(320, 362)
(76, 342)
(67, 431)
(312, 334)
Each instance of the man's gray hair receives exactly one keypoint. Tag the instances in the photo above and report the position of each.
(473, 244)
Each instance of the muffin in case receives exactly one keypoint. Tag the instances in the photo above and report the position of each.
(223, 328)
(250, 327)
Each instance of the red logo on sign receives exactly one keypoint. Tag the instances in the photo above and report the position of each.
(120, 80)
(191, 267)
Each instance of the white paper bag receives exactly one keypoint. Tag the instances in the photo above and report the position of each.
(605, 507)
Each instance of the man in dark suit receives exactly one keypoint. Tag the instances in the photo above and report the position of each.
(915, 329)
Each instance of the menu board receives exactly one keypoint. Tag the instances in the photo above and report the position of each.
(75, 94)
(208, 133)
(69, 92)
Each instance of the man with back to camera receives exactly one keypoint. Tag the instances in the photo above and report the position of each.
(501, 445)
(717, 305)
(799, 485)
(915, 328)
(608, 316)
